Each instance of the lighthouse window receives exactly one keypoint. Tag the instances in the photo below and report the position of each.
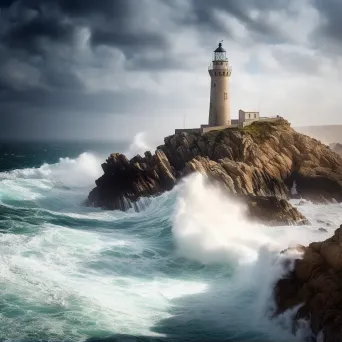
(214, 85)
(225, 96)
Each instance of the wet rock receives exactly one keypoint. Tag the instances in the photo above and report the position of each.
(323, 230)
(316, 284)
(126, 181)
(273, 211)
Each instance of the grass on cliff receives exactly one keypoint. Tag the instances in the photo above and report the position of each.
(260, 131)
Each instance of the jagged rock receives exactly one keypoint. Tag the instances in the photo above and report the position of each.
(263, 159)
(126, 181)
(273, 211)
(316, 284)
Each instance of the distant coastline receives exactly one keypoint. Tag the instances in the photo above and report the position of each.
(327, 134)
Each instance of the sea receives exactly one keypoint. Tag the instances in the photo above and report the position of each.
(188, 266)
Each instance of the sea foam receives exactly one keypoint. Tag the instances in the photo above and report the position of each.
(210, 228)
(190, 263)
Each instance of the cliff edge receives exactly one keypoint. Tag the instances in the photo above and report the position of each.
(263, 159)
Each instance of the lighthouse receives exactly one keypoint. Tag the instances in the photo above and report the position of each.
(219, 71)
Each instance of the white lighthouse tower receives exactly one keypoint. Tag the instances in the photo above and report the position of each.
(219, 71)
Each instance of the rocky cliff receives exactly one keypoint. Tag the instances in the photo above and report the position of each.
(263, 159)
(315, 285)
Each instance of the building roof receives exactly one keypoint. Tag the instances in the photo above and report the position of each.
(220, 48)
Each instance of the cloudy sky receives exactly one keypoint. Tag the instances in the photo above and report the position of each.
(111, 68)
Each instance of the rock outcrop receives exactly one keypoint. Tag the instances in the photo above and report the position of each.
(316, 285)
(263, 159)
(125, 181)
(272, 211)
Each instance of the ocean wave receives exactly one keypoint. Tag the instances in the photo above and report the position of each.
(188, 265)
(78, 172)
(139, 145)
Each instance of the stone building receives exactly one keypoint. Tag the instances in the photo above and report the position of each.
(246, 118)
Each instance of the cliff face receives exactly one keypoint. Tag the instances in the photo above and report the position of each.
(262, 159)
(316, 285)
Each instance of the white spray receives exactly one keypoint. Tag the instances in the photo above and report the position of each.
(210, 228)
(138, 145)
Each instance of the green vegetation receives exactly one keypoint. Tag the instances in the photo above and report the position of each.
(260, 131)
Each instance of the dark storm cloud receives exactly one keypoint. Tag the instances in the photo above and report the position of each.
(40, 74)
(32, 34)
(5, 3)
(204, 14)
(32, 77)
(81, 8)
(110, 35)
(111, 23)
(75, 102)
(330, 23)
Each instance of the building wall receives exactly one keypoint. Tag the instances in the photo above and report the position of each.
(248, 117)
(219, 107)
(216, 128)
(188, 130)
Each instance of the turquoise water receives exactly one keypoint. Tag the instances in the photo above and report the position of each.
(187, 268)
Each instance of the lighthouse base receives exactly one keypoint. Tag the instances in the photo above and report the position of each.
(241, 123)
(205, 128)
